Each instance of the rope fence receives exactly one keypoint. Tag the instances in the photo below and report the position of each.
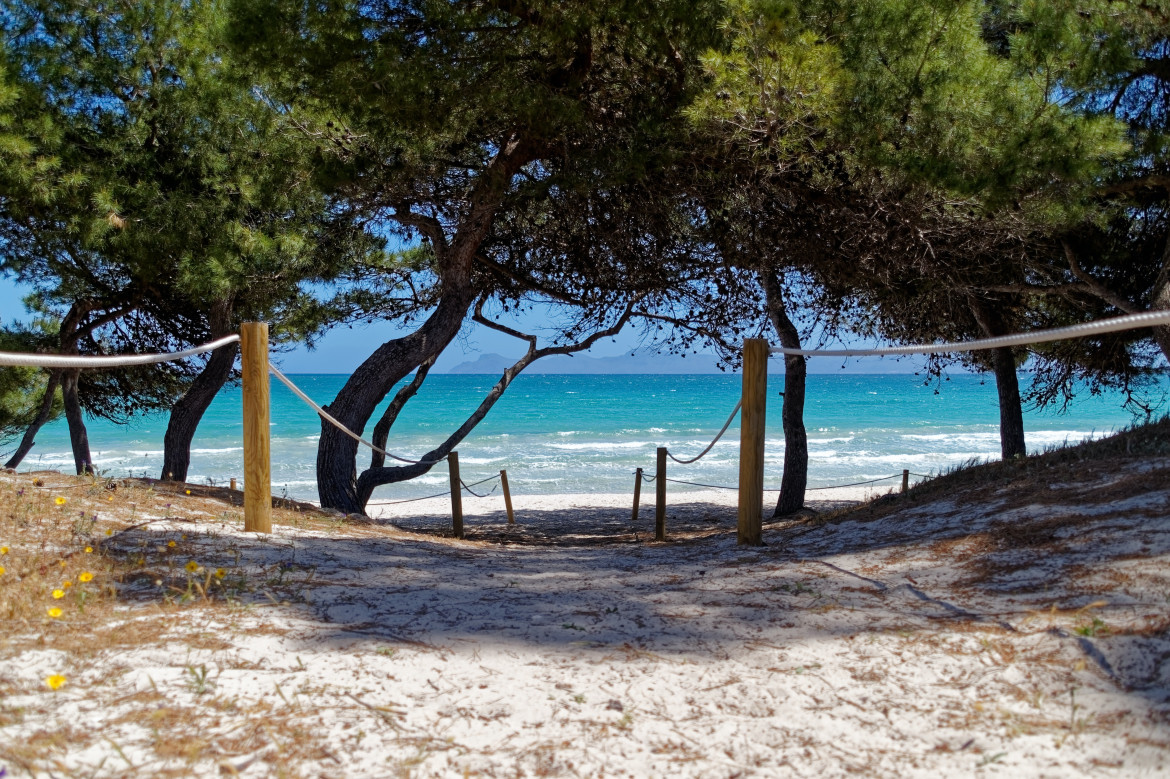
(253, 340)
(1101, 326)
(286, 381)
(55, 361)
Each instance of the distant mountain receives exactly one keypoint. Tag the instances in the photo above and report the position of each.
(673, 364)
(622, 364)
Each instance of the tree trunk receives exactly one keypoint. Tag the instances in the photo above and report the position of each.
(189, 409)
(26, 443)
(1011, 413)
(381, 435)
(1007, 383)
(795, 478)
(1160, 300)
(365, 389)
(78, 437)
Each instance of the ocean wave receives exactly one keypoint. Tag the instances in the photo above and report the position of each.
(600, 447)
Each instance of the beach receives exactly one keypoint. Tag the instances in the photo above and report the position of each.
(1014, 628)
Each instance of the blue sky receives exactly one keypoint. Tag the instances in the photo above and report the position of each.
(343, 349)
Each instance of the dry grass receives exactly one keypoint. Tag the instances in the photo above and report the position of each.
(86, 573)
(161, 582)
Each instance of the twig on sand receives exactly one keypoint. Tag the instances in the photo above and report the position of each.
(385, 712)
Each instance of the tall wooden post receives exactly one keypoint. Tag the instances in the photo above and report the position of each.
(660, 502)
(507, 497)
(905, 479)
(751, 441)
(257, 457)
(637, 495)
(456, 494)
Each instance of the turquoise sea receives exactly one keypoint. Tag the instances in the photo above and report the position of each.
(587, 433)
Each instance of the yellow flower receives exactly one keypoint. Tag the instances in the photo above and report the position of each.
(62, 563)
(1, 570)
(85, 576)
(60, 501)
(219, 573)
(88, 549)
(192, 566)
(171, 544)
(58, 594)
(188, 491)
(3, 550)
(109, 532)
(55, 612)
(55, 682)
(66, 585)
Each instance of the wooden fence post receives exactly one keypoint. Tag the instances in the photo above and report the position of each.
(507, 497)
(257, 456)
(637, 494)
(751, 441)
(660, 503)
(233, 484)
(456, 494)
(905, 479)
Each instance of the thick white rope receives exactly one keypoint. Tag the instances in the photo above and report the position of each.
(326, 416)
(64, 361)
(1129, 322)
(711, 446)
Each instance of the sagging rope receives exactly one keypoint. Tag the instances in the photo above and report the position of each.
(710, 446)
(328, 418)
(441, 494)
(1116, 324)
(9, 359)
(468, 487)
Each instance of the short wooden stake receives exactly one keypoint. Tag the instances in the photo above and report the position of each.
(905, 479)
(257, 457)
(751, 441)
(507, 497)
(233, 483)
(456, 494)
(660, 494)
(637, 494)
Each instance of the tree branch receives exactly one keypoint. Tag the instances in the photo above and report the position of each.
(1096, 287)
(374, 477)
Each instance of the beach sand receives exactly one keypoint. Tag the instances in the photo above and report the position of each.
(910, 642)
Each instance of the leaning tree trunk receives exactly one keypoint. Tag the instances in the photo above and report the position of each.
(1007, 383)
(795, 478)
(78, 437)
(46, 411)
(369, 384)
(189, 409)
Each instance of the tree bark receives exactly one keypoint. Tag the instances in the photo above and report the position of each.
(794, 481)
(46, 411)
(78, 436)
(189, 409)
(1007, 383)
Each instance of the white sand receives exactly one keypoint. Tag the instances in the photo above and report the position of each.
(565, 646)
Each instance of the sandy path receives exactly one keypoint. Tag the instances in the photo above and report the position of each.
(902, 647)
